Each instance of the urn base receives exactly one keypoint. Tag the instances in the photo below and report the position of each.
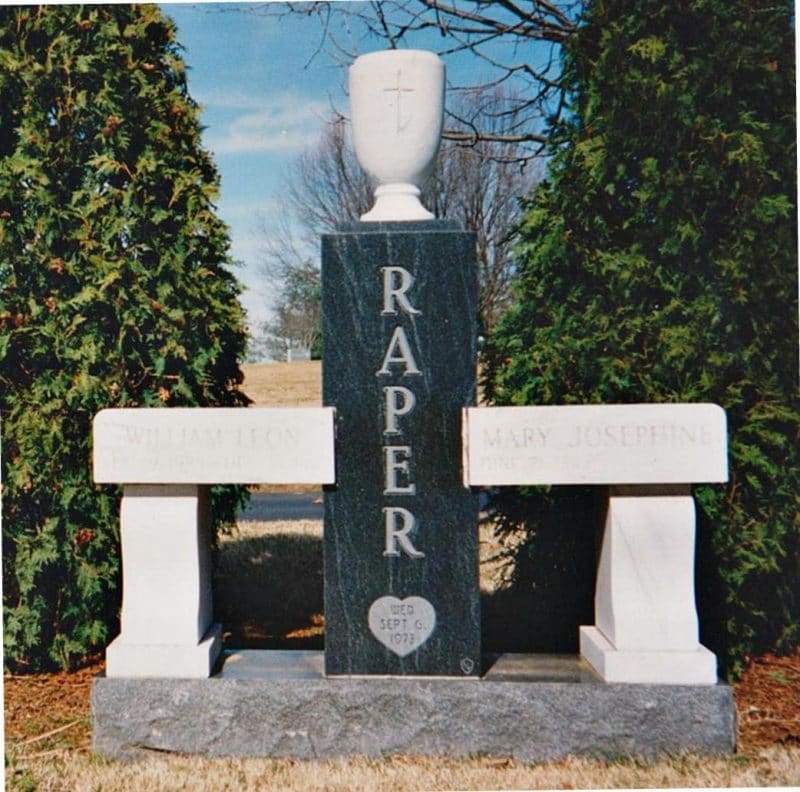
(397, 202)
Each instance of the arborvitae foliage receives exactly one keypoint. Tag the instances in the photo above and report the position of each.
(114, 292)
(658, 264)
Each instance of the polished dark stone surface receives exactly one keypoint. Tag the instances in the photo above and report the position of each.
(442, 339)
(416, 227)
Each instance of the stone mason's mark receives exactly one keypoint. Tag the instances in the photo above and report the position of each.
(402, 625)
(399, 91)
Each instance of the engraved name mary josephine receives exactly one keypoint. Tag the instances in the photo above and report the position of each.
(601, 435)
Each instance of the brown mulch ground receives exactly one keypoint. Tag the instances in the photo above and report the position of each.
(49, 712)
(768, 702)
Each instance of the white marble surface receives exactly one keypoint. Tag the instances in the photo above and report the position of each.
(281, 445)
(396, 109)
(402, 626)
(646, 627)
(595, 444)
(697, 667)
(167, 608)
(125, 660)
(166, 566)
(644, 599)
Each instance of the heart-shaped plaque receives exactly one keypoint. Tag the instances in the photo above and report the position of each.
(402, 626)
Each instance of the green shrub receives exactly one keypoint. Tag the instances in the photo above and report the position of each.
(658, 264)
(114, 292)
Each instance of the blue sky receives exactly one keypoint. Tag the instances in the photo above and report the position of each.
(262, 103)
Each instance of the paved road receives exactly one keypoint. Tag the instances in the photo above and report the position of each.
(269, 506)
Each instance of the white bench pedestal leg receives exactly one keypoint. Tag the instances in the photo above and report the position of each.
(646, 627)
(167, 611)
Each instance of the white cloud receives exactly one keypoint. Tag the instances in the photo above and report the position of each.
(257, 307)
(251, 210)
(235, 100)
(248, 249)
(287, 122)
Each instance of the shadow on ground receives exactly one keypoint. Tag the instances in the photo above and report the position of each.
(268, 592)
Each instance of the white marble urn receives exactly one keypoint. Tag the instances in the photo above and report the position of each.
(397, 109)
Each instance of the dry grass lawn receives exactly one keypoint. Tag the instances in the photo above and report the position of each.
(777, 766)
(296, 384)
(277, 562)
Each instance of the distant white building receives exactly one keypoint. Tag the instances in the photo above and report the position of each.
(270, 349)
(297, 353)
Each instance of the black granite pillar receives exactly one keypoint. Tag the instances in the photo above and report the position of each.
(399, 304)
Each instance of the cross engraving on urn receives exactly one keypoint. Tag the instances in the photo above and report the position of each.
(399, 90)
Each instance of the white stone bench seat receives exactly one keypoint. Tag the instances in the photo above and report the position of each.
(223, 445)
(595, 444)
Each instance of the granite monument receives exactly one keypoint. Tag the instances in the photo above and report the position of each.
(401, 448)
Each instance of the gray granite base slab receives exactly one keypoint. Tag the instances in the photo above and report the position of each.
(530, 707)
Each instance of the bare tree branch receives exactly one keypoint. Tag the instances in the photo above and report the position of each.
(537, 27)
(507, 37)
(473, 137)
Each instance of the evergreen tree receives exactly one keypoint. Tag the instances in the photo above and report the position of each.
(658, 264)
(114, 292)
